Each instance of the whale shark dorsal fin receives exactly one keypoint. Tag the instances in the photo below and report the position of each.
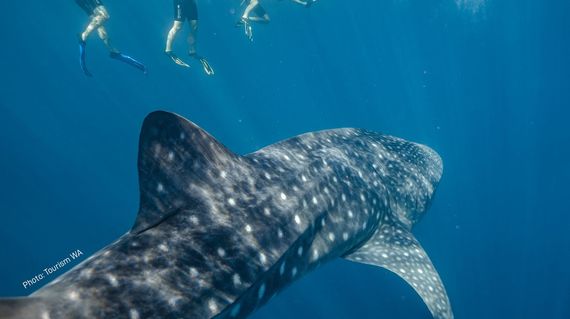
(174, 153)
(394, 247)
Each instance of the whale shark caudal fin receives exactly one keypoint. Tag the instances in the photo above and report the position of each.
(394, 247)
(21, 308)
(175, 154)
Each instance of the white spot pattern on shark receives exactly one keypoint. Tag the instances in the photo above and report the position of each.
(218, 234)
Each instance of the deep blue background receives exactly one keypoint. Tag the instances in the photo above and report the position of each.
(486, 84)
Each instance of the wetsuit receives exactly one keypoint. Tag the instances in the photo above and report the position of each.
(89, 5)
(185, 10)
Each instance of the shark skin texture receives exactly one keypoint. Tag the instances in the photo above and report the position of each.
(218, 234)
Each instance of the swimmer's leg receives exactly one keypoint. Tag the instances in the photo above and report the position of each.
(192, 37)
(261, 19)
(257, 13)
(192, 48)
(252, 4)
(254, 12)
(176, 26)
(104, 36)
(98, 18)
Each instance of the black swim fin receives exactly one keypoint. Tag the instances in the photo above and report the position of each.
(205, 65)
(82, 45)
(247, 29)
(128, 60)
(176, 59)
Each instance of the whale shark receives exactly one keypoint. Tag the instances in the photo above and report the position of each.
(219, 234)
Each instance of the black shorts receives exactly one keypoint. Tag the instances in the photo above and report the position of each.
(89, 5)
(185, 10)
(259, 11)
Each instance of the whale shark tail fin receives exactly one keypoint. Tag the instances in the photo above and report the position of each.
(174, 156)
(394, 247)
(22, 308)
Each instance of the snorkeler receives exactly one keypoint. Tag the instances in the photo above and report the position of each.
(253, 12)
(186, 10)
(98, 16)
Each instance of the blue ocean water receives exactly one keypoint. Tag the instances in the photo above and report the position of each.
(485, 83)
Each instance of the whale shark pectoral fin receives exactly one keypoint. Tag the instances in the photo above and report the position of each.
(175, 157)
(393, 247)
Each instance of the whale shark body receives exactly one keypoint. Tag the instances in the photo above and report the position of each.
(218, 234)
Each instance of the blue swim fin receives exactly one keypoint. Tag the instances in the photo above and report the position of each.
(128, 60)
(82, 45)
